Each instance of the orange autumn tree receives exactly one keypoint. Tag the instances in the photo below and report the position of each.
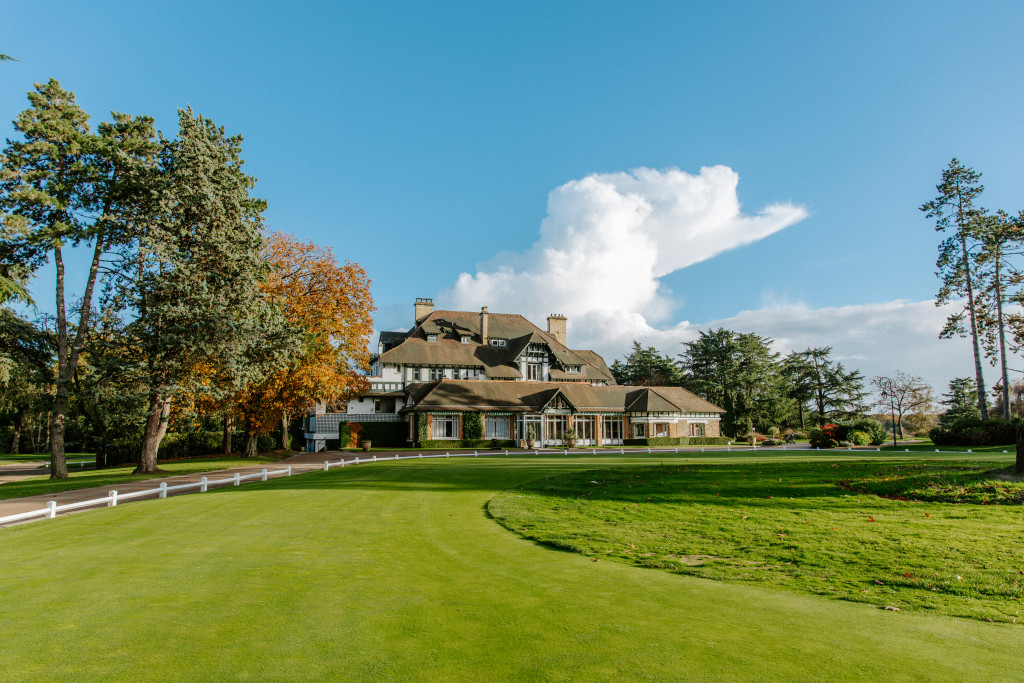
(330, 304)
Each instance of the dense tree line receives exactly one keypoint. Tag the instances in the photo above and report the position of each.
(189, 312)
(759, 388)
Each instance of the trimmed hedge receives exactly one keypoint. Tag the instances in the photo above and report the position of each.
(972, 431)
(476, 444)
(679, 441)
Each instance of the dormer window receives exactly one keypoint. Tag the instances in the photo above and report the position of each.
(498, 341)
(466, 339)
(432, 337)
(573, 368)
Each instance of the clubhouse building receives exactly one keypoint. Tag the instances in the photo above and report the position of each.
(524, 382)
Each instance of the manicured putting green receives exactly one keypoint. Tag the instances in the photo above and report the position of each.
(394, 571)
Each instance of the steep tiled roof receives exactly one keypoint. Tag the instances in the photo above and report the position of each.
(451, 326)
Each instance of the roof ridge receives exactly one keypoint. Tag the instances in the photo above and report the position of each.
(512, 315)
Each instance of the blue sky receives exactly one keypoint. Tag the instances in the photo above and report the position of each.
(423, 139)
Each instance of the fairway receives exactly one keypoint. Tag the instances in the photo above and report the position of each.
(394, 571)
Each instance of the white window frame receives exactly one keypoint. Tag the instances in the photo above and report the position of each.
(436, 374)
(498, 341)
(466, 339)
(698, 429)
(432, 337)
(496, 427)
(444, 427)
(534, 372)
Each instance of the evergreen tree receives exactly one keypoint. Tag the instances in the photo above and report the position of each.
(198, 319)
(961, 402)
(646, 367)
(835, 392)
(954, 211)
(740, 373)
(1000, 238)
(62, 186)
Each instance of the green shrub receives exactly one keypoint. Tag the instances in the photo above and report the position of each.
(463, 444)
(658, 441)
(826, 436)
(873, 428)
(472, 426)
(773, 431)
(972, 431)
(859, 438)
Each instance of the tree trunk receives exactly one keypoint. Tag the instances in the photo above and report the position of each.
(1002, 345)
(250, 445)
(978, 375)
(284, 432)
(58, 460)
(1019, 465)
(156, 427)
(18, 423)
(228, 428)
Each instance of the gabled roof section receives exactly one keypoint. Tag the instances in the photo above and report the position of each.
(413, 348)
(555, 395)
(650, 401)
(470, 395)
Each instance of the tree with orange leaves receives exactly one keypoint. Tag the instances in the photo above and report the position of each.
(330, 304)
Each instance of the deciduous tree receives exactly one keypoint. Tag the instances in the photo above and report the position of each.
(329, 304)
(901, 393)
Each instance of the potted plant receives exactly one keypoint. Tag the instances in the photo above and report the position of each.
(752, 438)
(366, 445)
(570, 438)
(531, 436)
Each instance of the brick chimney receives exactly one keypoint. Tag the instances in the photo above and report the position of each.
(424, 307)
(483, 326)
(556, 327)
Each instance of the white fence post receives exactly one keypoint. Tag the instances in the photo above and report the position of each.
(203, 485)
(163, 489)
(375, 458)
(51, 509)
(357, 460)
(263, 474)
(113, 499)
(238, 479)
(289, 472)
(326, 465)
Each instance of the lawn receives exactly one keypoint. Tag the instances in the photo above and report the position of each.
(395, 571)
(113, 476)
(797, 526)
(90, 458)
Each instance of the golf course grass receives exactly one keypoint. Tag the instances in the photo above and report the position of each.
(794, 525)
(395, 571)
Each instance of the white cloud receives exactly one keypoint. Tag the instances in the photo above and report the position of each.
(608, 238)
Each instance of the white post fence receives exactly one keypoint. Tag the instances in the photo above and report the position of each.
(113, 498)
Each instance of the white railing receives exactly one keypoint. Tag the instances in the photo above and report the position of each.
(113, 497)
